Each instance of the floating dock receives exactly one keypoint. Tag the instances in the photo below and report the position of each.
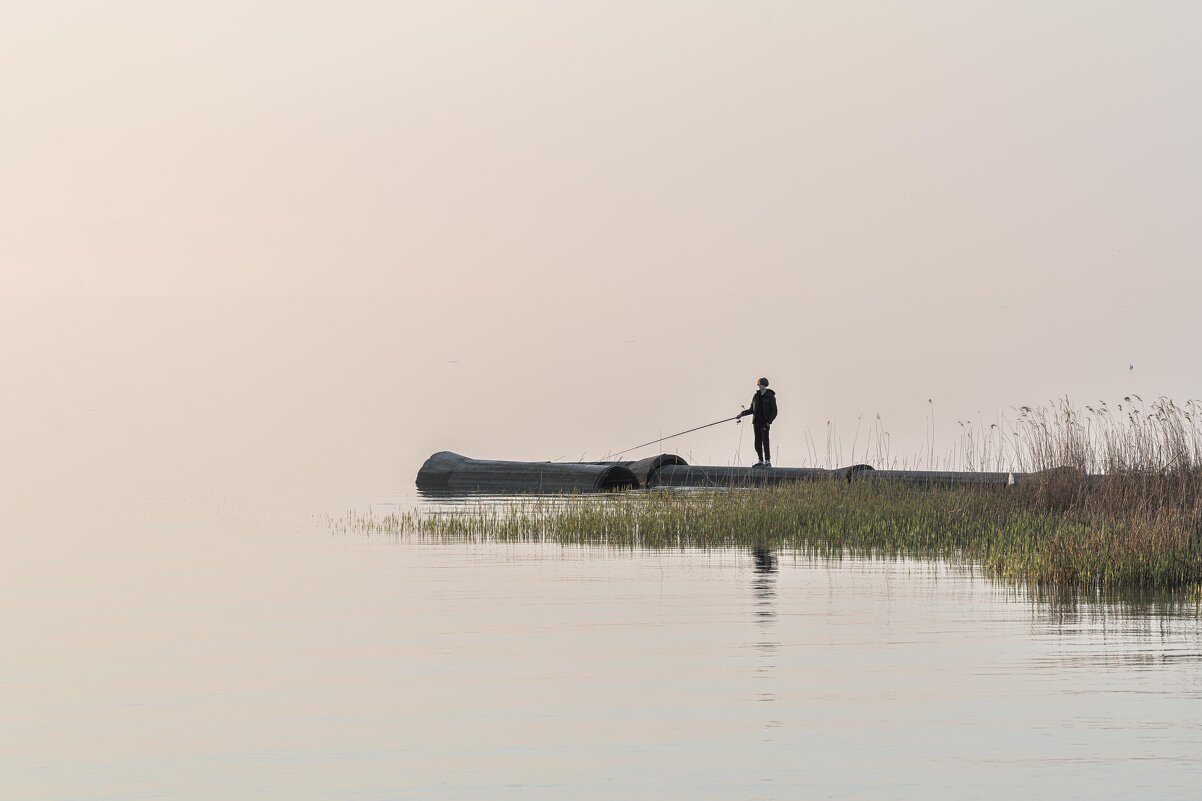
(447, 473)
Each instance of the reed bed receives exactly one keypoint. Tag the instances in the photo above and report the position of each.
(1137, 525)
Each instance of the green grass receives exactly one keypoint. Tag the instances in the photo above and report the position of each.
(1033, 535)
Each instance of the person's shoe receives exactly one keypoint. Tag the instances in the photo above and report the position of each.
(765, 463)
(758, 464)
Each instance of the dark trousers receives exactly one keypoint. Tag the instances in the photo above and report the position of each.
(762, 448)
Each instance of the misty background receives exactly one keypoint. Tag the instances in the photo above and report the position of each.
(289, 250)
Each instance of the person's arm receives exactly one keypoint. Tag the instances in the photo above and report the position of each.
(771, 408)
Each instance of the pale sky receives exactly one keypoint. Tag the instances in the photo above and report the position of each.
(569, 227)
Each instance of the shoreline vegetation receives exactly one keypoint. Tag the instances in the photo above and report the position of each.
(1136, 528)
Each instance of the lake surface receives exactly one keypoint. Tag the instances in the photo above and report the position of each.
(199, 648)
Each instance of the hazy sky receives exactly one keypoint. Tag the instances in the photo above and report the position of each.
(551, 229)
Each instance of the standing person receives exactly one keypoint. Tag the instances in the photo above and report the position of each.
(763, 412)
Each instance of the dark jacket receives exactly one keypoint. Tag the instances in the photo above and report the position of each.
(763, 408)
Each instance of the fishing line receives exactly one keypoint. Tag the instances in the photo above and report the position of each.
(671, 436)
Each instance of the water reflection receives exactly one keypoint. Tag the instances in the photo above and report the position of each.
(1070, 606)
(765, 560)
(694, 660)
(764, 583)
(1136, 632)
(768, 641)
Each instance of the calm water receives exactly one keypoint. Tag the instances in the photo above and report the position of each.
(202, 650)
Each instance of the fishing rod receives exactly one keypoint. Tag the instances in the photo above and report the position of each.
(661, 439)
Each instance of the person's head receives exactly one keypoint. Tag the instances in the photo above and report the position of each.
(762, 384)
